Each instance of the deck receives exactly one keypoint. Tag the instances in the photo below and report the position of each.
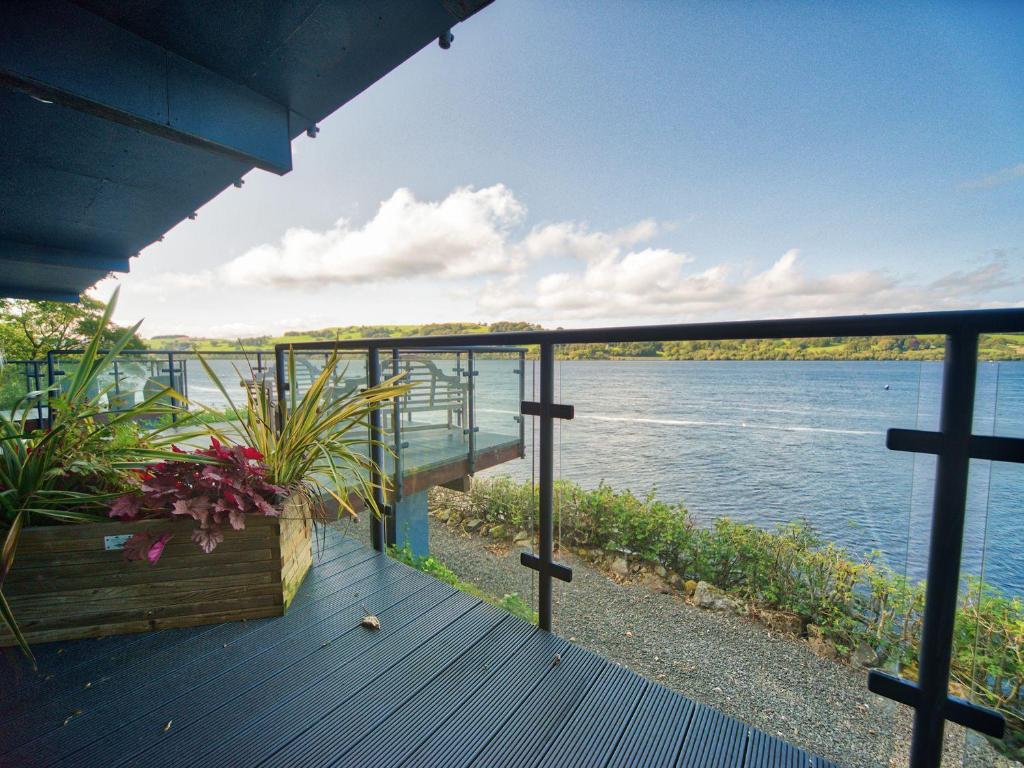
(446, 681)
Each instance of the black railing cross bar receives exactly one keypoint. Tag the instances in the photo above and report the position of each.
(551, 410)
(985, 447)
(550, 570)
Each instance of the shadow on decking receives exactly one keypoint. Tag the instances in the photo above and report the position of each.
(446, 681)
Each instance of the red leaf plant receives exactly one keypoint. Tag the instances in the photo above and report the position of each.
(212, 494)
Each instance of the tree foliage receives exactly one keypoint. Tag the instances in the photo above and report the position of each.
(29, 329)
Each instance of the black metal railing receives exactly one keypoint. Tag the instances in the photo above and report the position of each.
(953, 443)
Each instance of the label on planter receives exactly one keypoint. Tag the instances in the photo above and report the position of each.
(116, 542)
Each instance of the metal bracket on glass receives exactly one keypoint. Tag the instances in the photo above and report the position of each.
(554, 410)
(1008, 449)
(556, 570)
(957, 710)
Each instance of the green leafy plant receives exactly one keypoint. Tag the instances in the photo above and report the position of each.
(70, 471)
(431, 566)
(319, 445)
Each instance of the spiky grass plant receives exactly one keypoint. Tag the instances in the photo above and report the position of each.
(319, 446)
(71, 470)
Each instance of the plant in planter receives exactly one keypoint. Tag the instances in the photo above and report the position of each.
(318, 448)
(71, 471)
(215, 495)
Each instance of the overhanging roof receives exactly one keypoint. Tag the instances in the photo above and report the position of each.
(119, 120)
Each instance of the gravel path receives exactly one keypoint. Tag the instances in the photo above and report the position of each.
(732, 663)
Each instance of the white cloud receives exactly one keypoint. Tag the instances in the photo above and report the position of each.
(465, 234)
(469, 246)
(1000, 177)
(654, 284)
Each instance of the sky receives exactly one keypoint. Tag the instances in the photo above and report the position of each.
(605, 163)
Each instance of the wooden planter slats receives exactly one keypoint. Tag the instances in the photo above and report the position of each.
(65, 584)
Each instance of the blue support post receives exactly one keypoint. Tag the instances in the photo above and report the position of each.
(409, 524)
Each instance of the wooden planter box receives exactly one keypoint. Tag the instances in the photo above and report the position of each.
(66, 584)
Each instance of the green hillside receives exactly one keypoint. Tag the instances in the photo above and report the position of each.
(992, 347)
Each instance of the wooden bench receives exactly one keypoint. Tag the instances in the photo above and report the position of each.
(433, 391)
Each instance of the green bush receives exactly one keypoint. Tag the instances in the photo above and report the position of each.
(855, 601)
(431, 566)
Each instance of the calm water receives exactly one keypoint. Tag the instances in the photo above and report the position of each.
(770, 442)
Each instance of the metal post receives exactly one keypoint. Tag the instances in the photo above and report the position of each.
(36, 376)
(117, 379)
(471, 408)
(170, 374)
(458, 372)
(396, 422)
(948, 511)
(51, 378)
(547, 483)
(522, 396)
(184, 378)
(281, 381)
(377, 534)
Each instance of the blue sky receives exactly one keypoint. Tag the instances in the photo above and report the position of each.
(593, 163)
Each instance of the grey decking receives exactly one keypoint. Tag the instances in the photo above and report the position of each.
(446, 681)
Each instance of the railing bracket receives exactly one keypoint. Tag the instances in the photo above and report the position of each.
(554, 410)
(957, 710)
(556, 570)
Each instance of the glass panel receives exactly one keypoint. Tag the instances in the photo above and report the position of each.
(16, 380)
(988, 667)
(433, 416)
(771, 481)
(496, 397)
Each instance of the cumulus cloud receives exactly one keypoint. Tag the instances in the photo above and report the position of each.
(465, 234)
(474, 243)
(654, 284)
(1000, 177)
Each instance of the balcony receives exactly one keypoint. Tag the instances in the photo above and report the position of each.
(448, 680)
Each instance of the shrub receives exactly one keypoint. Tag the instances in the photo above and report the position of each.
(430, 565)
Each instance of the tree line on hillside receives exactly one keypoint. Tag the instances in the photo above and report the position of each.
(28, 329)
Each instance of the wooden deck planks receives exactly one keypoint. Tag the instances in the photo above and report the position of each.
(446, 682)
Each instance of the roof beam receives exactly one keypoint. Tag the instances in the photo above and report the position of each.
(57, 52)
(28, 253)
(34, 294)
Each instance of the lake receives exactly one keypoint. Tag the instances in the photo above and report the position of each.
(772, 442)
